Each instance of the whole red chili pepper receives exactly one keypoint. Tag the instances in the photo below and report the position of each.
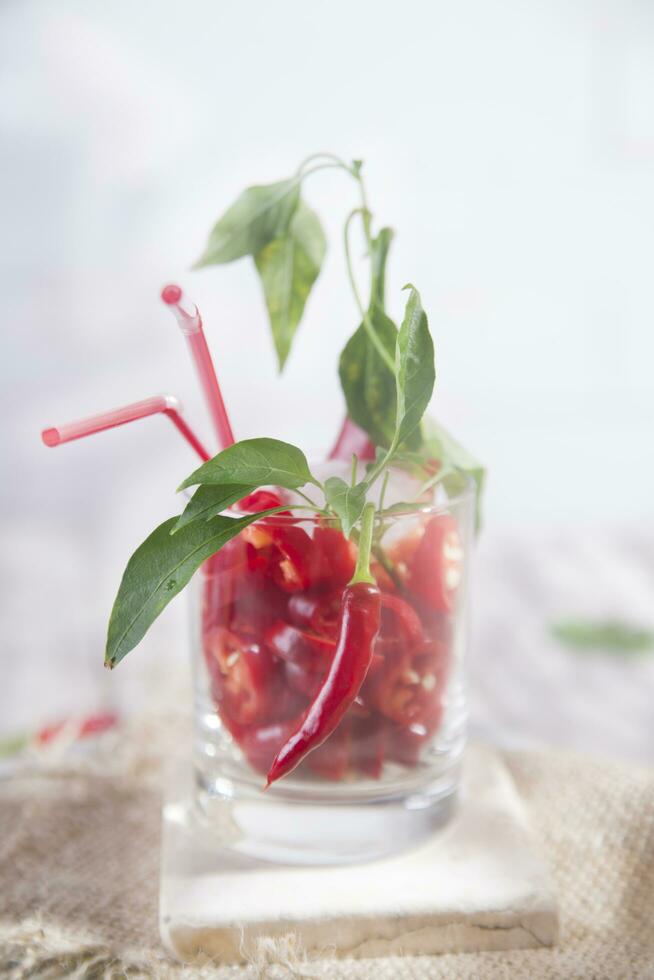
(357, 630)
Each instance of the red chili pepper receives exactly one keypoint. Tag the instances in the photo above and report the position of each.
(242, 676)
(434, 571)
(358, 627)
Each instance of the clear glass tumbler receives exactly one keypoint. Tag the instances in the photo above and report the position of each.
(264, 617)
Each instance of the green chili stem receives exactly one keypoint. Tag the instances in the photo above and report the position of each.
(309, 500)
(362, 571)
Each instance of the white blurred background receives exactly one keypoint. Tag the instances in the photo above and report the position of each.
(510, 145)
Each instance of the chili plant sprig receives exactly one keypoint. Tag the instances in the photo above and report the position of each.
(273, 225)
(387, 376)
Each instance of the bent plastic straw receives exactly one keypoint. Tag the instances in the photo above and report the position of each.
(188, 317)
(351, 439)
(166, 404)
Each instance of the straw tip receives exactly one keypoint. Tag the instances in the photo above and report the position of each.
(51, 437)
(171, 294)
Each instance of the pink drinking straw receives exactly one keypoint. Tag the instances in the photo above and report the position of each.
(351, 439)
(166, 404)
(188, 317)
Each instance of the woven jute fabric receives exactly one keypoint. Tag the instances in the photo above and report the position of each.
(79, 853)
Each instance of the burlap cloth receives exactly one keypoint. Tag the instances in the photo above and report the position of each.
(79, 852)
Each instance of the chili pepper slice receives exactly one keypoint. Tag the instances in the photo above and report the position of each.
(222, 578)
(369, 742)
(331, 759)
(405, 744)
(242, 676)
(260, 743)
(289, 642)
(286, 554)
(337, 556)
(303, 681)
(400, 620)
(317, 612)
(435, 570)
(409, 687)
(257, 604)
(358, 627)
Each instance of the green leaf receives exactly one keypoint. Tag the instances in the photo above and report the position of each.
(368, 384)
(367, 381)
(414, 367)
(288, 267)
(610, 636)
(260, 214)
(439, 444)
(208, 501)
(258, 462)
(378, 256)
(347, 502)
(157, 571)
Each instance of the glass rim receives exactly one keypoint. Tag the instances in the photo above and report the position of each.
(431, 510)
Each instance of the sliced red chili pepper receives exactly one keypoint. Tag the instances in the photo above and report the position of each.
(382, 578)
(299, 646)
(405, 744)
(242, 675)
(303, 680)
(331, 759)
(223, 574)
(409, 687)
(286, 554)
(260, 743)
(358, 627)
(337, 556)
(369, 739)
(399, 620)
(257, 604)
(435, 570)
(319, 612)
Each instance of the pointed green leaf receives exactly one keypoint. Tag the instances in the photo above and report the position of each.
(414, 367)
(209, 501)
(258, 462)
(347, 502)
(368, 384)
(260, 214)
(157, 571)
(288, 267)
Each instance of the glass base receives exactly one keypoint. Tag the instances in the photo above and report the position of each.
(291, 831)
